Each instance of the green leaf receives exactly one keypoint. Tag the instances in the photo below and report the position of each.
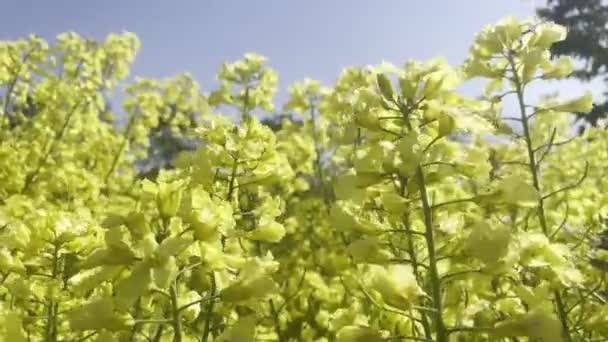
(135, 285)
(368, 250)
(548, 34)
(251, 289)
(8, 263)
(172, 246)
(119, 255)
(97, 315)
(367, 119)
(346, 187)
(385, 85)
(561, 68)
(447, 125)
(394, 203)
(268, 230)
(537, 323)
(83, 282)
(487, 243)
(165, 273)
(514, 190)
(137, 224)
(242, 331)
(582, 104)
(169, 198)
(532, 60)
(396, 284)
(433, 85)
(409, 88)
(112, 221)
(355, 333)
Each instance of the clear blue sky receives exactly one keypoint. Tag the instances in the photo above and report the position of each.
(314, 38)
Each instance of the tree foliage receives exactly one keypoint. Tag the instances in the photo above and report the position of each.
(391, 208)
(587, 41)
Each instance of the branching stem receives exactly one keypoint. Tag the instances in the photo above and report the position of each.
(435, 282)
(534, 171)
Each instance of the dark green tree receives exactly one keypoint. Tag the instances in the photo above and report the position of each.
(275, 122)
(587, 41)
(165, 145)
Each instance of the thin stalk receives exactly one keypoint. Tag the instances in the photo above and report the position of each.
(52, 306)
(121, 149)
(442, 332)
(414, 261)
(209, 310)
(315, 138)
(245, 109)
(532, 164)
(318, 164)
(519, 89)
(85, 337)
(136, 325)
(277, 322)
(159, 333)
(177, 320)
(154, 321)
(232, 179)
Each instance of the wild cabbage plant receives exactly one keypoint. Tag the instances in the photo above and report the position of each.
(390, 208)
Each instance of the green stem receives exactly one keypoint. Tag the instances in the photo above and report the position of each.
(318, 151)
(159, 333)
(232, 179)
(277, 322)
(177, 320)
(530, 149)
(209, 310)
(136, 325)
(196, 302)
(154, 321)
(86, 337)
(563, 315)
(519, 89)
(414, 261)
(52, 306)
(245, 108)
(442, 332)
(118, 155)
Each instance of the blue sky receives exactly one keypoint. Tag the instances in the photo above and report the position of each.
(314, 38)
